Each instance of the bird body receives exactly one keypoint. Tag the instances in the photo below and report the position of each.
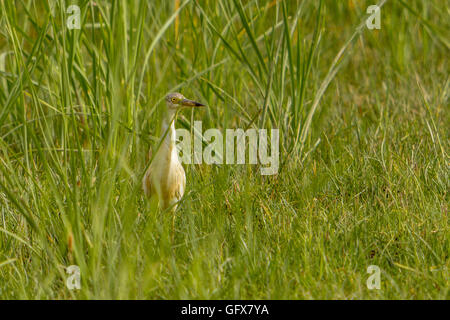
(165, 176)
(165, 179)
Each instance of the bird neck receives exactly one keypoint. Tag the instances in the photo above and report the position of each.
(168, 132)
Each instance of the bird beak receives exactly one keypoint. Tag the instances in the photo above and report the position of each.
(191, 103)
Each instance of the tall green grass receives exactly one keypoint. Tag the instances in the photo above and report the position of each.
(363, 120)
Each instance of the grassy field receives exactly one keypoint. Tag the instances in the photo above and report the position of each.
(364, 138)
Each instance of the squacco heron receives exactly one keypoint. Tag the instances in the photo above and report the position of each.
(165, 179)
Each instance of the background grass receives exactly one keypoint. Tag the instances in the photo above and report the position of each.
(364, 130)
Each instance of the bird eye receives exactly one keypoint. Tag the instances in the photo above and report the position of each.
(173, 99)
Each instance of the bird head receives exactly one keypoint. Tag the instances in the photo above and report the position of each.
(176, 101)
